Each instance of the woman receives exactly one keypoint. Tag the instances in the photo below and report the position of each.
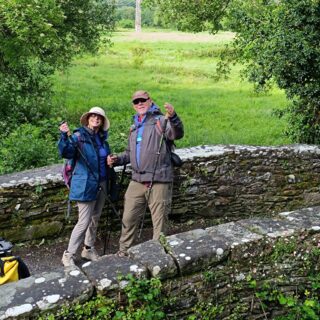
(89, 148)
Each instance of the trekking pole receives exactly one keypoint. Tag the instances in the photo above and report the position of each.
(108, 234)
(153, 173)
(97, 180)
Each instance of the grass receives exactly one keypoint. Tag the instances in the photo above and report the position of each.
(178, 68)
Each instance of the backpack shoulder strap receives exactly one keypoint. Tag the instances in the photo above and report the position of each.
(158, 125)
(79, 140)
(1, 267)
(23, 270)
(169, 144)
(78, 134)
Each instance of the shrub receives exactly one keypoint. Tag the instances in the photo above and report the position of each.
(126, 23)
(139, 55)
(142, 300)
(27, 147)
(25, 93)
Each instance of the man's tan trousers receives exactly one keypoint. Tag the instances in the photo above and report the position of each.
(135, 205)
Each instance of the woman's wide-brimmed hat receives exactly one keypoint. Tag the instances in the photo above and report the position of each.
(100, 112)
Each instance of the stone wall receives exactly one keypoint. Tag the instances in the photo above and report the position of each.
(223, 266)
(218, 183)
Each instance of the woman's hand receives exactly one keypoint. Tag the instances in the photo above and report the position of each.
(64, 127)
(111, 159)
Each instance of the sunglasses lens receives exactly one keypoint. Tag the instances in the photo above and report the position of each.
(136, 101)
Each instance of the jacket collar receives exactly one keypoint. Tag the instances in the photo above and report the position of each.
(153, 110)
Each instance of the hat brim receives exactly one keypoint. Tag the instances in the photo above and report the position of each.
(138, 95)
(84, 120)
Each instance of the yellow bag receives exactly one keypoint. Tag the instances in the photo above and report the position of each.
(9, 269)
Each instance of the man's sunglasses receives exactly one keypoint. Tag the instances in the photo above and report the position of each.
(137, 101)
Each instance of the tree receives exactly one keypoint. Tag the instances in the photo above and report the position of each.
(192, 15)
(37, 38)
(278, 41)
(138, 16)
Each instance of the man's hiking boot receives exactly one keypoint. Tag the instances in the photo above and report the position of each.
(68, 259)
(90, 254)
(122, 254)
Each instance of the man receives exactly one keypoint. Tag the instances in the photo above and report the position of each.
(152, 173)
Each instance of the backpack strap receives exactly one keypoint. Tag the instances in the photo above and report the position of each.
(169, 143)
(158, 126)
(79, 141)
(1, 268)
(23, 270)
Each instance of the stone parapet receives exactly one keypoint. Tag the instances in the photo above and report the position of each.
(221, 183)
(223, 265)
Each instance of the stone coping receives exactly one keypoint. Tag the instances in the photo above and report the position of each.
(52, 173)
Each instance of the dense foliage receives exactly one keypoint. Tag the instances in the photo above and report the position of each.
(280, 41)
(37, 38)
(276, 40)
(28, 146)
(195, 15)
(140, 299)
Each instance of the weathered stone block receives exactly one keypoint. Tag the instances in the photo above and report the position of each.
(152, 255)
(43, 291)
(308, 218)
(196, 250)
(269, 227)
(105, 273)
(242, 242)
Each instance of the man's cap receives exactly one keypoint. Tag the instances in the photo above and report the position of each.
(100, 112)
(140, 94)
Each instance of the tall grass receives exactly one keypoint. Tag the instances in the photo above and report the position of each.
(180, 72)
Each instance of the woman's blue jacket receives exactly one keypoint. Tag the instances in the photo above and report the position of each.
(81, 146)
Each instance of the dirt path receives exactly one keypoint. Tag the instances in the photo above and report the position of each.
(46, 255)
(176, 36)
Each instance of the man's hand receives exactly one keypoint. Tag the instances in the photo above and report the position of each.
(169, 109)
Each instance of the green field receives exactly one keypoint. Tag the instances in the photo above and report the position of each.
(178, 68)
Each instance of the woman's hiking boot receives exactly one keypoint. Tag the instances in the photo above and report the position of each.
(68, 259)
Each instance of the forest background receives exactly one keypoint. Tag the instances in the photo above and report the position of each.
(247, 74)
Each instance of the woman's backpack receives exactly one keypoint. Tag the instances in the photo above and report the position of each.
(67, 171)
